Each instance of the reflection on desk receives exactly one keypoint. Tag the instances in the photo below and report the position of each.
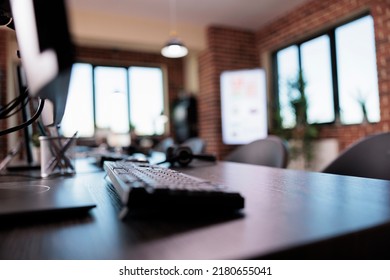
(288, 214)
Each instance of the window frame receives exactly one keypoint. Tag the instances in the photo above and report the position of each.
(331, 33)
(96, 64)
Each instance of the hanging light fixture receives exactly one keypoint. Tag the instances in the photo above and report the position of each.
(174, 48)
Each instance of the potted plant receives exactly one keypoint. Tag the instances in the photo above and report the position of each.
(302, 135)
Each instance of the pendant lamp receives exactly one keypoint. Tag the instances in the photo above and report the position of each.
(174, 48)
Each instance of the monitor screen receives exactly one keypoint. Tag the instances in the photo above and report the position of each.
(243, 106)
(46, 52)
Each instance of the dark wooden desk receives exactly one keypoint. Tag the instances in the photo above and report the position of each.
(288, 214)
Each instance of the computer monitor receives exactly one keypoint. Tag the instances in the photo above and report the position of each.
(46, 52)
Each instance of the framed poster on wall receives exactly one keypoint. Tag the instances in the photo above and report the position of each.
(243, 106)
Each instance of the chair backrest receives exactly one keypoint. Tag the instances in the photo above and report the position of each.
(369, 157)
(271, 151)
(197, 145)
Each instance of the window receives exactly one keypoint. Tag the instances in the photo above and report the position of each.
(114, 99)
(288, 68)
(316, 66)
(79, 110)
(146, 100)
(111, 101)
(357, 75)
(339, 70)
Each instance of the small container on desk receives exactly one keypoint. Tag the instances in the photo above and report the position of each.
(57, 155)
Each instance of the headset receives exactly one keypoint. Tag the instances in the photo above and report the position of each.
(183, 156)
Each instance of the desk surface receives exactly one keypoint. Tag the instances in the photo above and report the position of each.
(288, 214)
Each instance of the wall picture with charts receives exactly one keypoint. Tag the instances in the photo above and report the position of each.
(243, 106)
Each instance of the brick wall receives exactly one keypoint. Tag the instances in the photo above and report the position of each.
(227, 49)
(317, 15)
(3, 88)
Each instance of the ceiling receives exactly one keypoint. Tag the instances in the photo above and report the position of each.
(250, 14)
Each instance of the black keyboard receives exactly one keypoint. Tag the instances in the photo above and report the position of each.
(145, 188)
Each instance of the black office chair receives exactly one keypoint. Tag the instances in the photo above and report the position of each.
(369, 157)
(271, 151)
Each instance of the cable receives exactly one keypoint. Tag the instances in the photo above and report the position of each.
(6, 111)
(10, 114)
(27, 123)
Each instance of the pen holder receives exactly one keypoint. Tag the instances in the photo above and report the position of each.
(57, 156)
